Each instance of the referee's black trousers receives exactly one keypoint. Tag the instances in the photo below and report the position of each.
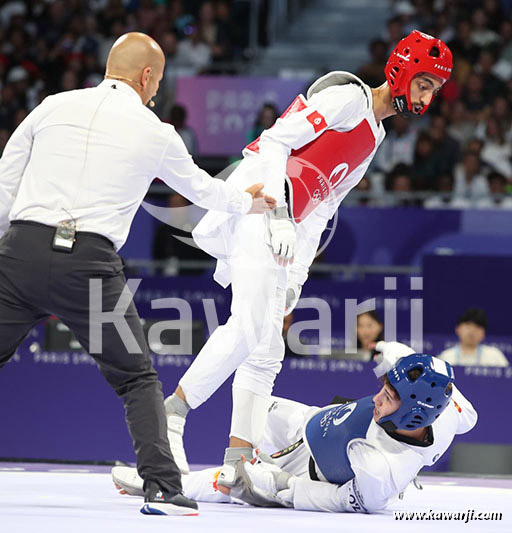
(36, 282)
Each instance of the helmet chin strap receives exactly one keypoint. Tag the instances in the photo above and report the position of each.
(122, 78)
(402, 107)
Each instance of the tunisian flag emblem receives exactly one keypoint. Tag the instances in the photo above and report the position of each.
(317, 121)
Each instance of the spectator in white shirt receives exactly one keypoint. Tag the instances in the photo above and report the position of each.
(443, 199)
(462, 125)
(499, 198)
(470, 351)
(496, 152)
(398, 146)
(481, 35)
(192, 51)
(470, 183)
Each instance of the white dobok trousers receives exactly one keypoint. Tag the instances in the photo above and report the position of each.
(251, 341)
(283, 428)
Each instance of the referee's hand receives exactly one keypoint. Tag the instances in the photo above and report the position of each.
(260, 202)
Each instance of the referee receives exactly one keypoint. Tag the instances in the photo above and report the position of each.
(72, 177)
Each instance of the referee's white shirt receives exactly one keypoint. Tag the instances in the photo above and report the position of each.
(91, 154)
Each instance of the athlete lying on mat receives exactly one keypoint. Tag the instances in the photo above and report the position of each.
(351, 457)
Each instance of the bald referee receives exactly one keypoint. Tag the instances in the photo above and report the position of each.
(72, 177)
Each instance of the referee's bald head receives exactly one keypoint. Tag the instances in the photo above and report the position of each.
(137, 59)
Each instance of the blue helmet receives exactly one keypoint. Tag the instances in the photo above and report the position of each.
(424, 398)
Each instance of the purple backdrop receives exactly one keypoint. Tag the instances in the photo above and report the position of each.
(57, 406)
(222, 109)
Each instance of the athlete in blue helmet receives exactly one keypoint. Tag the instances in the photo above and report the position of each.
(352, 457)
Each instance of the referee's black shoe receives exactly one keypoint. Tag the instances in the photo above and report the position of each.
(158, 501)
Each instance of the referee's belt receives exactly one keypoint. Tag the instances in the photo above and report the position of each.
(53, 228)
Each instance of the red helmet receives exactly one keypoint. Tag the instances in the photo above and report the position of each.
(418, 52)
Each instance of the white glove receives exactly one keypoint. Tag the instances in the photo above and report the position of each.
(391, 352)
(269, 480)
(292, 297)
(282, 236)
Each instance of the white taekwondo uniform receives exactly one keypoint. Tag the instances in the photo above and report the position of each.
(383, 466)
(322, 147)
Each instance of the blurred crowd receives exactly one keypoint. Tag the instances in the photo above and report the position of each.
(47, 46)
(461, 149)
(459, 153)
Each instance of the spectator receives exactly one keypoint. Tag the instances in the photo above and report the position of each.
(181, 19)
(475, 146)
(494, 14)
(399, 183)
(112, 13)
(492, 85)
(446, 150)
(8, 107)
(214, 33)
(10, 10)
(463, 48)
(372, 73)
(462, 126)
(500, 111)
(424, 169)
(473, 95)
(193, 51)
(19, 117)
(369, 331)
(178, 118)
(164, 98)
(18, 77)
(498, 189)
(496, 152)
(443, 200)
(481, 34)
(421, 17)
(69, 81)
(206, 25)
(47, 46)
(444, 27)
(407, 14)
(364, 187)
(394, 33)
(470, 183)
(470, 351)
(117, 28)
(266, 118)
(146, 17)
(503, 67)
(398, 145)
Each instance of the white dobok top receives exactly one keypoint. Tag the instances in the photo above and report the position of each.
(339, 101)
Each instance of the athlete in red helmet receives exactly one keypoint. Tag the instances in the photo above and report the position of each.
(309, 161)
(418, 63)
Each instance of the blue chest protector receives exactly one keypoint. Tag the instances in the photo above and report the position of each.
(328, 433)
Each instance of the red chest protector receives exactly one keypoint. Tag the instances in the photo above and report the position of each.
(317, 168)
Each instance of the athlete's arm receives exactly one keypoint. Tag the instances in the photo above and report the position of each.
(369, 491)
(466, 413)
